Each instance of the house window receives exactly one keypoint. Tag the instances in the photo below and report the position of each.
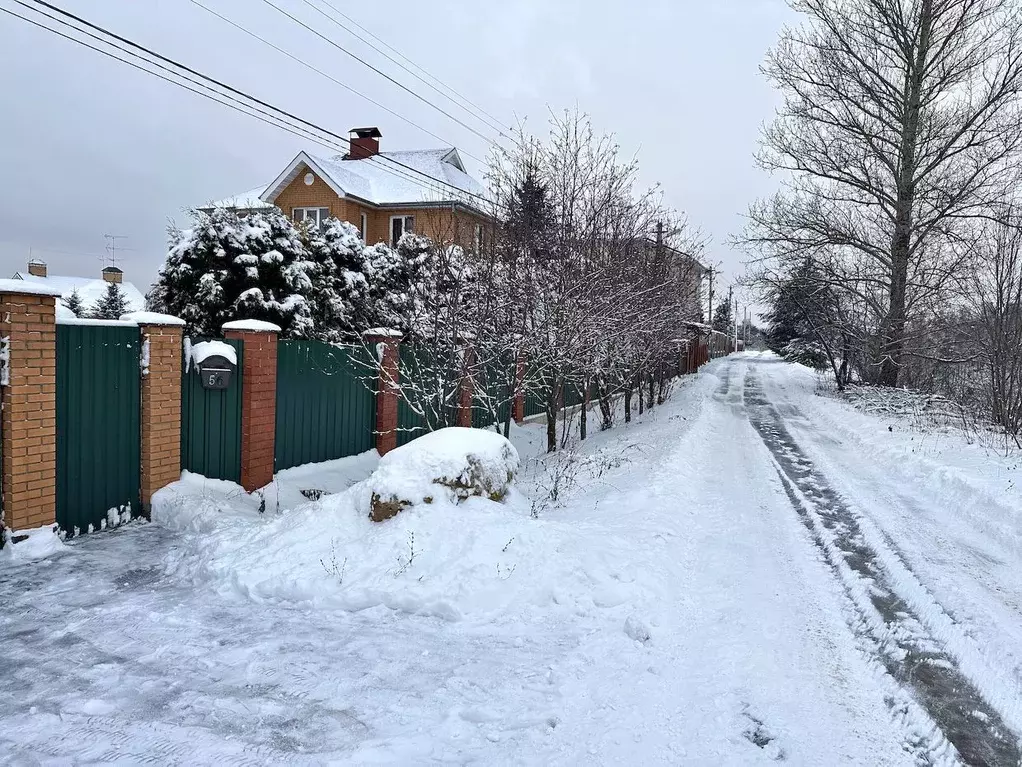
(313, 216)
(363, 226)
(479, 238)
(400, 225)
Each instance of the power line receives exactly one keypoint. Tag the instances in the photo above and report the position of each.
(479, 113)
(381, 73)
(306, 127)
(319, 71)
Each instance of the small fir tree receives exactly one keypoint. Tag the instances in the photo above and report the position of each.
(112, 305)
(74, 303)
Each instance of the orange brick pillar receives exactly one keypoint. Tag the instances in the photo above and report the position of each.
(465, 388)
(28, 335)
(385, 346)
(518, 403)
(161, 403)
(258, 399)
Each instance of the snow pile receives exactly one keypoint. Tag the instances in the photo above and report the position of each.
(203, 350)
(452, 557)
(30, 545)
(455, 462)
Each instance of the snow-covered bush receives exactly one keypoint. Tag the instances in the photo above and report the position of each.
(457, 463)
(225, 267)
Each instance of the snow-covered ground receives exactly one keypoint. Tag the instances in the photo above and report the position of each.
(750, 573)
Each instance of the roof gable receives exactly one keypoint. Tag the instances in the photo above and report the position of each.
(410, 179)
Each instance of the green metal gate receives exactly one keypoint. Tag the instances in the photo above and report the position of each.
(97, 421)
(325, 402)
(211, 423)
(492, 394)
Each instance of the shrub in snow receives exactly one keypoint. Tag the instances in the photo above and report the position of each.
(457, 462)
(225, 267)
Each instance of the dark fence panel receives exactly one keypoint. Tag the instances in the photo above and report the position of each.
(97, 421)
(426, 376)
(325, 406)
(211, 423)
(491, 394)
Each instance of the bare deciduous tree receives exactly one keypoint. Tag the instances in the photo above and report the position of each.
(900, 125)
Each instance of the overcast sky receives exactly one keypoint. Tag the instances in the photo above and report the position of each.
(90, 146)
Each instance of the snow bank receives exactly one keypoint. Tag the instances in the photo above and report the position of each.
(454, 557)
(203, 350)
(63, 313)
(457, 462)
(29, 545)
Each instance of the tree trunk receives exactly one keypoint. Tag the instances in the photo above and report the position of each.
(628, 405)
(901, 241)
(583, 420)
(652, 393)
(551, 420)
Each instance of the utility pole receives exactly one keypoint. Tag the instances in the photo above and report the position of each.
(709, 272)
(732, 304)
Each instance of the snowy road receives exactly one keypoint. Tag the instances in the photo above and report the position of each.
(769, 576)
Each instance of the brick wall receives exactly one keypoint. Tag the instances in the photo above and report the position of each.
(161, 410)
(29, 411)
(258, 406)
(440, 224)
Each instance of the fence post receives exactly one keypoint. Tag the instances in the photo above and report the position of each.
(466, 385)
(385, 344)
(258, 399)
(161, 401)
(518, 403)
(28, 352)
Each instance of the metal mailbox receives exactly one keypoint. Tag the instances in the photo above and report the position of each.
(215, 372)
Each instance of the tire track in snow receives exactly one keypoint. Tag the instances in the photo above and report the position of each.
(916, 659)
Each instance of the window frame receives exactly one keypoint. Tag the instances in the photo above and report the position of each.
(322, 214)
(405, 228)
(363, 227)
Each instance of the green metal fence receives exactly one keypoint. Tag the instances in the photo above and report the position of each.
(325, 409)
(492, 393)
(211, 423)
(97, 421)
(422, 373)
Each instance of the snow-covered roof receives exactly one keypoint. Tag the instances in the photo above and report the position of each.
(249, 200)
(417, 177)
(89, 289)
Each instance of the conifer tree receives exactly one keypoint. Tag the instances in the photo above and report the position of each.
(74, 303)
(112, 305)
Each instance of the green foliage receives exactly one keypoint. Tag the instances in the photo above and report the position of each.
(111, 306)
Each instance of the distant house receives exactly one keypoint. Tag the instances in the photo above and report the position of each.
(383, 194)
(90, 289)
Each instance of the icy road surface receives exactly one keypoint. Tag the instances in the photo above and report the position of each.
(774, 578)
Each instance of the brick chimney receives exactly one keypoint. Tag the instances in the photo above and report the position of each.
(37, 268)
(365, 142)
(113, 274)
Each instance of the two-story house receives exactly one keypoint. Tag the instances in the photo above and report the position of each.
(383, 194)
